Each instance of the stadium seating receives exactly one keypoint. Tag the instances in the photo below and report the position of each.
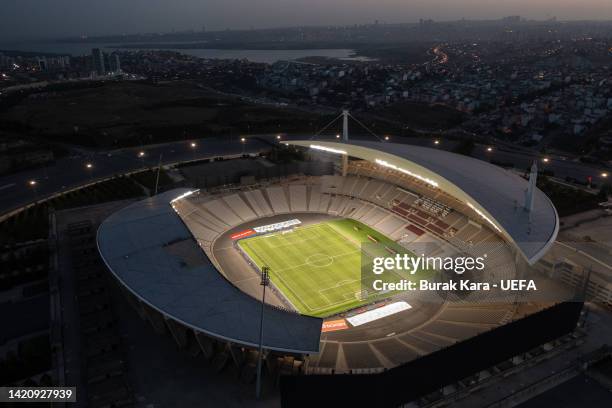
(315, 198)
(359, 187)
(390, 224)
(222, 212)
(258, 203)
(468, 231)
(334, 207)
(297, 198)
(278, 199)
(398, 209)
(324, 203)
(348, 185)
(331, 184)
(210, 221)
(237, 204)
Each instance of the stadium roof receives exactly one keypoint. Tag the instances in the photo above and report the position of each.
(153, 254)
(497, 195)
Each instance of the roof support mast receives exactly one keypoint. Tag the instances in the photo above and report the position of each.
(345, 117)
(529, 194)
(345, 138)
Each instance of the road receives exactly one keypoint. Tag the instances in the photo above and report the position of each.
(83, 167)
(72, 171)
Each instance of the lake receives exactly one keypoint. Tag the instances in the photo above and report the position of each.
(265, 56)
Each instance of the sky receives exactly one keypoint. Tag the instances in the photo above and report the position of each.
(40, 19)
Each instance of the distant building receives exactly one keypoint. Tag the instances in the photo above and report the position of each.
(42, 64)
(512, 19)
(99, 64)
(115, 63)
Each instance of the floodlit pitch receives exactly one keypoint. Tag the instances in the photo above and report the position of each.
(318, 267)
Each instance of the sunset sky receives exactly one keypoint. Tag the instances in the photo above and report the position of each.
(45, 18)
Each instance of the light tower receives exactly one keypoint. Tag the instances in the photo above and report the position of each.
(345, 138)
(265, 281)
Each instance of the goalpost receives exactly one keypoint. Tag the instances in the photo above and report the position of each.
(361, 294)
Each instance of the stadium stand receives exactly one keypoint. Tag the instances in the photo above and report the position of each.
(390, 224)
(315, 198)
(324, 203)
(278, 199)
(398, 211)
(297, 197)
(259, 203)
(239, 207)
(421, 224)
(418, 223)
(222, 212)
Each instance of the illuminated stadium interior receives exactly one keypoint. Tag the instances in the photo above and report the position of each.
(309, 231)
(318, 268)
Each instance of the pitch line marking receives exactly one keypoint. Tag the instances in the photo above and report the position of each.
(308, 306)
(306, 263)
(315, 263)
(293, 241)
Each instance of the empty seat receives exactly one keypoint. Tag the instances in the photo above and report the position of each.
(258, 203)
(324, 203)
(237, 204)
(222, 211)
(297, 197)
(390, 224)
(278, 199)
(315, 198)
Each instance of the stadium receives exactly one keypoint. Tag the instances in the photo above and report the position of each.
(191, 261)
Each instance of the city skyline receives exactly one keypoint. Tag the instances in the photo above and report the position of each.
(298, 203)
(36, 20)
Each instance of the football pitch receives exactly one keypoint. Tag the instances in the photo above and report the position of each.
(318, 268)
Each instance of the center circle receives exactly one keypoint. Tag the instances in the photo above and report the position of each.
(319, 260)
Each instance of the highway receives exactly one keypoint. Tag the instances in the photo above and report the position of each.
(83, 167)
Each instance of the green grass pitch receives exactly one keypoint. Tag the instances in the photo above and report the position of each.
(318, 267)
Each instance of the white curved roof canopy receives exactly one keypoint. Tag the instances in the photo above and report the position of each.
(495, 194)
(154, 255)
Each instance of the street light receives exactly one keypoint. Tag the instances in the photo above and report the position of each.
(278, 137)
(387, 138)
(436, 142)
(265, 281)
(158, 171)
(33, 184)
(545, 159)
(88, 166)
(193, 146)
(141, 154)
(338, 136)
(604, 175)
(489, 149)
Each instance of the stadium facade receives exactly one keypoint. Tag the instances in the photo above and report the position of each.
(176, 257)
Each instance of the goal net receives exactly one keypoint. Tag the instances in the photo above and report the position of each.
(362, 294)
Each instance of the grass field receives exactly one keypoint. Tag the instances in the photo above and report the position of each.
(318, 267)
